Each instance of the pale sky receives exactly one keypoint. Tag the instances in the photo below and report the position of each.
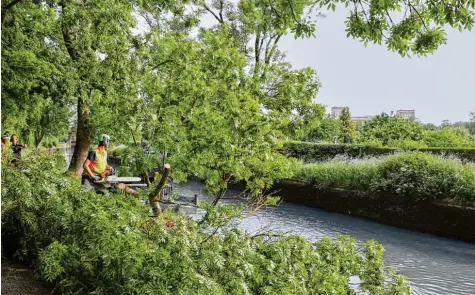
(372, 80)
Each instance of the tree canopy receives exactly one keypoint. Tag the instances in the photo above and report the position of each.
(220, 100)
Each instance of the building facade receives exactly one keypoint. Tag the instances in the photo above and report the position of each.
(336, 111)
(408, 114)
(359, 121)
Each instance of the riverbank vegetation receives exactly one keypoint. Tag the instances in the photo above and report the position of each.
(87, 243)
(310, 152)
(415, 176)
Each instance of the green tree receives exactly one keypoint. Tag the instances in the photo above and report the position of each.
(36, 80)
(204, 109)
(445, 123)
(96, 45)
(348, 129)
(389, 129)
(328, 129)
(449, 137)
(430, 126)
(257, 28)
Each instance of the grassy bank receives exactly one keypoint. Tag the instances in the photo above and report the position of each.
(87, 243)
(414, 175)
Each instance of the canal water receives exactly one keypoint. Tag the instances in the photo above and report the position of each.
(433, 265)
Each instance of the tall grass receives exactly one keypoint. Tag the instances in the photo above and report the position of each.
(416, 175)
(349, 174)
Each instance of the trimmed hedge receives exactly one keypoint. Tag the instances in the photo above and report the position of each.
(314, 152)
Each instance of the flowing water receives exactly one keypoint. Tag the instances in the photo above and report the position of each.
(433, 265)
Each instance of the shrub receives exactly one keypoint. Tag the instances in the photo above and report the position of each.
(89, 244)
(423, 176)
(415, 175)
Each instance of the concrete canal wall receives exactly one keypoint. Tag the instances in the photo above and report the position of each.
(440, 219)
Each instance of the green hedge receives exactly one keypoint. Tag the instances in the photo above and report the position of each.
(314, 152)
(87, 243)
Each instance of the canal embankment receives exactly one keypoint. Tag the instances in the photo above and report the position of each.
(425, 216)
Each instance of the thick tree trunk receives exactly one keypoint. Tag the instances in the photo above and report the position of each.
(83, 140)
(155, 195)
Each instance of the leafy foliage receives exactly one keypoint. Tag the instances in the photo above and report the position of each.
(406, 27)
(397, 132)
(423, 176)
(86, 243)
(328, 130)
(415, 176)
(449, 137)
(179, 85)
(387, 129)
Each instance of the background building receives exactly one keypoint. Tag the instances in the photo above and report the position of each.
(408, 114)
(336, 111)
(359, 121)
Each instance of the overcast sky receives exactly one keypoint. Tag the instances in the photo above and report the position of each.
(372, 80)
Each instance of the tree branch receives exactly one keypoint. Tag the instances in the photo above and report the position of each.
(275, 10)
(411, 8)
(269, 54)
(212, 12)
(162, 63)
(221, 11)
(154, 196)
(11, 4)
(7, 7)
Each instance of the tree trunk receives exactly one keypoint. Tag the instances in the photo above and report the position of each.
(155, 195)
(83, 140)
